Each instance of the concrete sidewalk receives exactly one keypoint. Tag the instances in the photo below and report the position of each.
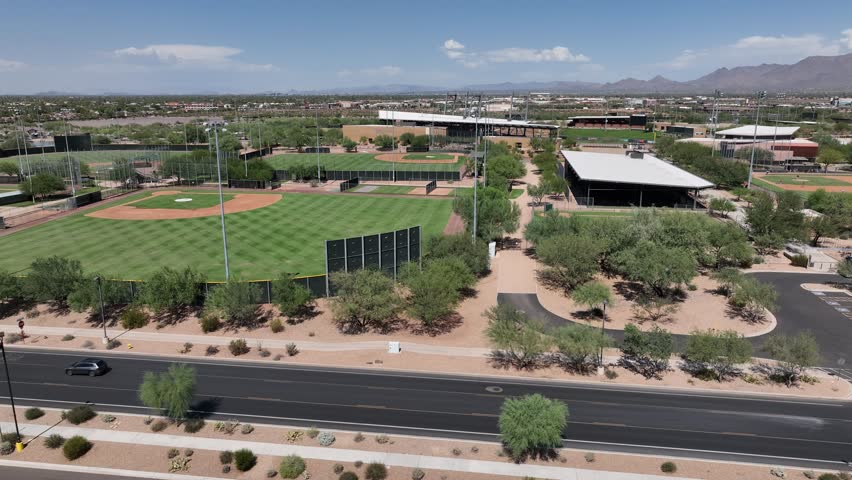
(423, 462)
(129, 336)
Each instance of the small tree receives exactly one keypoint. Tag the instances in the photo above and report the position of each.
(42, 185)
(434, 291)
(752, 298)
(592, 295)
(580, 346)
(235, 303)
(365, 299)
(537, 192)
(519, 341)
(532, 425)
(716, 353)
(170, 391)
(822, 226)
(53, 279)
(830, 156)
(728, 279)
(721, 205)
(572, 259)
(383, 141)
(656, 267)
(87, 297)
(473, 254)
(406, 138)
(795, 353)
(349, 145)
(172, 291)
(727, 246)
(9, 168)
(497, 215)
(11, 289)
(292, 299)
(646, 353)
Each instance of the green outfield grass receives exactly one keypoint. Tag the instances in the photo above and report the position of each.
(805, 180)
(387, 189)
(199, 200)
(775, 188)
(608, 134)
(356, 161)
(427, 156)
(287, 236)
(100, 156)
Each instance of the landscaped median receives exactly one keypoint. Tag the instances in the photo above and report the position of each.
(325, 454)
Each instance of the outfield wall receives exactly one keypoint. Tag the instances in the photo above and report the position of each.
(384, 175)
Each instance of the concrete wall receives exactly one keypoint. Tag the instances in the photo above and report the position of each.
(355, 132)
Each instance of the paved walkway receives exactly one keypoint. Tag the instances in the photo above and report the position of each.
(129, 336)
(424, 462)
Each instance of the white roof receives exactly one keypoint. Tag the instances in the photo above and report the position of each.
(439, 118)
(620, 168)
(762, 131)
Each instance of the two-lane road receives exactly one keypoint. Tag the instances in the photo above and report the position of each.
(747, 428)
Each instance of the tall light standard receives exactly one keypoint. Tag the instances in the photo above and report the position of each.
(716, 95)
(18, 445)
(760, 95)
(215, 126)
(603, 321)
(68, 157)
(318, 147)
(101, 300)
(476, 162)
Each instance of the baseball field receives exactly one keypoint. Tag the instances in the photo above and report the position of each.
(804, 182)
(132, 238)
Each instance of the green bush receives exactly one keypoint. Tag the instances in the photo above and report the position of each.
(668, 467)
(238, 347)
(79, 414)
(348, 476)
(67, 338)
(54, 441)
(244, 459)
(209, 323)
(799, 260)
(6, 448)
(33, 413)
(338, 468)
(276, 325)
(193, 424)
(159, 426)
(75, 447)
(291, 466)
(376, 471)
(134, 318)
(828, 476)
(417, 474)
(226, 457)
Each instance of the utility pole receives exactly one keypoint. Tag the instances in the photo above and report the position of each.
(67, 156)
(19, 446)
(215, 127)
(476, 163)
(760, 95)
(101, 298)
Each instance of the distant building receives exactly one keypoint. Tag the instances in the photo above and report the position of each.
(636, 121)
(682, 130)
(763, 132)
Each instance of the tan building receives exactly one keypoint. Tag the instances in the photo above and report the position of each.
(521, 143)
(355, 132)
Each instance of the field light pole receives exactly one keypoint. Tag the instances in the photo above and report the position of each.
(476, 163)
(760, 95)
(18, 445)
(603, 321)
(318, 147)
(215, 127)
(101, 299)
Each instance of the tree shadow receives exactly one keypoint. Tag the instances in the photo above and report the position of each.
(173, 317)
(304, 313)
(631, 291)
(440, 326)
(58, 309)
(15, 307)
(205, 408)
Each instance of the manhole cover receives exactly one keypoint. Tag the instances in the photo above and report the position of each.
(183, 200)
(494, 389)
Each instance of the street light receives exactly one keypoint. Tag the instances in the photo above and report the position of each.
(215, 126)
(603, 320)
(101, 299)
(760, 95)
(18, 445)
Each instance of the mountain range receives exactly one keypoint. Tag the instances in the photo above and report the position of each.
(824, 74)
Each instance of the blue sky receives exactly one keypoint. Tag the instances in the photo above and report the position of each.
(156, 46)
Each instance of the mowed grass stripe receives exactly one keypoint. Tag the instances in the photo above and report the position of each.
(287, 236)
(357, 161)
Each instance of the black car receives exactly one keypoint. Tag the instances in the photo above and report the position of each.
(89, 366)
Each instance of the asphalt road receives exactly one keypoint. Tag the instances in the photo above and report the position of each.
(770, 430)
(16, 473)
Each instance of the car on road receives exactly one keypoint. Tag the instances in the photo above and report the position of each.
(88, 366)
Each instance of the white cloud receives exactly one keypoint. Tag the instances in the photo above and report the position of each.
(685, 59)
(808, 44)
(847, 38)
(454, 50)
(11, 65)
(189, 55)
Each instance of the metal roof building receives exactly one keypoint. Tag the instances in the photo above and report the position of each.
(634, 179)
(763, 132)
(461, 126)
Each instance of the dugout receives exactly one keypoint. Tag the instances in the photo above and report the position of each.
(634, 179)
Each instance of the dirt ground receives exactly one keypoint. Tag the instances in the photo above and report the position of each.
(702, 309)
(240, 203)
(206, 462)
(399, 158)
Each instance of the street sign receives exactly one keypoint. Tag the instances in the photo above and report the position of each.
(21, 324)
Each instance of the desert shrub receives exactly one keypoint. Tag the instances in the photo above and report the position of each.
(828, 476)
(75, 447)
(113, 343)
(457, 451)
(348, 476)
(590, 457)
(326, 438)
(33, 413)
(294, 436)
(359, 437)
(312, 432)
(133, 318)
(799, 260)
(292, 350)
(211, 350)
(187, 347)
(291, 466)
(668, 467)
(67, 338)
(13, 338)
(611, 374)
(6, 448)
(244, 459)
(179, 464)
(148, 420)
(189, 452)
(238, 347)
(338, 468)
(417, 474)
(159, 426)
(54, 441)
(246, 429)
(108, 418)
(226, 469)
(376, 471)
(226, 457)
(79, 414)
(173, 452)
(382, 439)
(88, 344)
(193, 424)
(271, 473)
(228, 426)
(263, 352)
(358, 463)
(209, 323)
(276, 325)
(474, 449)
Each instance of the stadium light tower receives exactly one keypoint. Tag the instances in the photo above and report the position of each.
(760, 95)
(216, 126)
